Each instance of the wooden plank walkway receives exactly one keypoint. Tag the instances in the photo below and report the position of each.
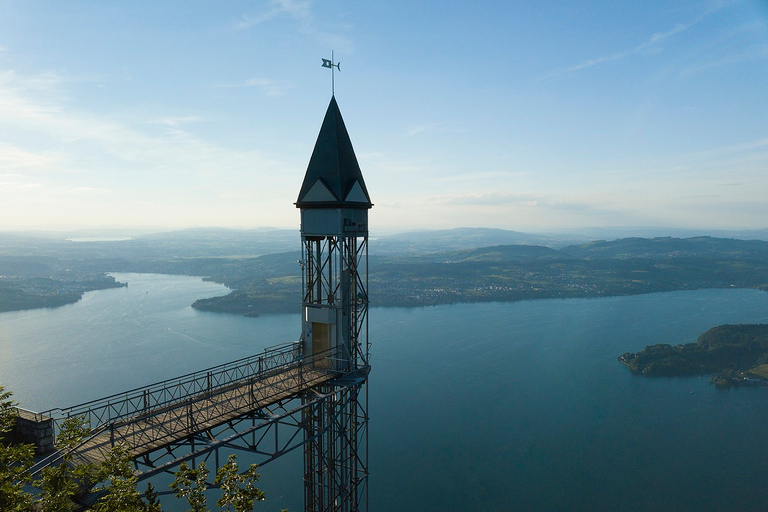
(157, 428)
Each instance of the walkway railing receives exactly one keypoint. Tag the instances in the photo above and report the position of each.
(157, 416)
(136, 402)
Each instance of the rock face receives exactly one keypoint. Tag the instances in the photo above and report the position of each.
(731, 351)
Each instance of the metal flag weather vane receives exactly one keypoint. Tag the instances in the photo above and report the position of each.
(330, 64)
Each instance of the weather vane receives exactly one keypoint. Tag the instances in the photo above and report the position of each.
(330, 64)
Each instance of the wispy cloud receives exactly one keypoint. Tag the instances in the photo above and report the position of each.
(301, 11)
(755, 53)
(746, 160)
(267, 86)
(19, 182)
(16, 185)
(297, 9)
(88, 190)
(130, 174)
(651, 44)
(738, 148)
(12, 157)
(488, 199)
(177, 121)
(502, 208)
(45, 85)
(472, 177)
(425, 128)
(501, 199)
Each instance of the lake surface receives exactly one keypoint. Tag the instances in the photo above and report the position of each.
(501, 406)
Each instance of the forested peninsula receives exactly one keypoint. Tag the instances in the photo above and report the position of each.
(51, 290)
(737, 355)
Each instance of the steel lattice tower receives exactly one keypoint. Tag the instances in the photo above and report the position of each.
(334, 205)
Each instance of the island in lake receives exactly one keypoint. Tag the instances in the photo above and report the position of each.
(737, 355)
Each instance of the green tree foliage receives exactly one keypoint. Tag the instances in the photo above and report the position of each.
(728, 350)
(121, 493)
(15, 460)
(151, 503)
(238, 491)
(61, 485)
(190, 483)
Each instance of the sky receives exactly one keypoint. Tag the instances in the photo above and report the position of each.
(523, 115)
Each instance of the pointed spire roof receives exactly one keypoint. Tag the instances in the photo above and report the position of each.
(333, 178)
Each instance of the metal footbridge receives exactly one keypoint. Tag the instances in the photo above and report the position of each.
(256, 404)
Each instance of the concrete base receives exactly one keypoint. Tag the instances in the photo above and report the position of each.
(36, 429)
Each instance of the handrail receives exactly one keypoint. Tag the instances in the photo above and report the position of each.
(143, 399)
(184, 415)
(31, 415)
(58, 455)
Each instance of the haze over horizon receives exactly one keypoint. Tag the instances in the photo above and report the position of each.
(522, 116)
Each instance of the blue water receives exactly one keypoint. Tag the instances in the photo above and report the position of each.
(517, 406)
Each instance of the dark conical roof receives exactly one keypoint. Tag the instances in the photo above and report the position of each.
(333, 178)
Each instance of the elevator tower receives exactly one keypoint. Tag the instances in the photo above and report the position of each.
(334, 204)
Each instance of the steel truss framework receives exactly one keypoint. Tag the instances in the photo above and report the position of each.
(336, 455)
(272, 393)
(336, 276)
(336, 465)
(266, 433)
(269, 433)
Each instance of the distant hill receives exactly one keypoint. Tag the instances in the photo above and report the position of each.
(434, 241)
(242, 243)
(613, 233)
(189, 243)
(668, 247)
(219, 242)
(511, 254)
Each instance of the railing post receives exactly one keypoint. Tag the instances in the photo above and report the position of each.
(189, 415)
(112, 435)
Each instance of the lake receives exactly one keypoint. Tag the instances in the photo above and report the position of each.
(499, 406)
